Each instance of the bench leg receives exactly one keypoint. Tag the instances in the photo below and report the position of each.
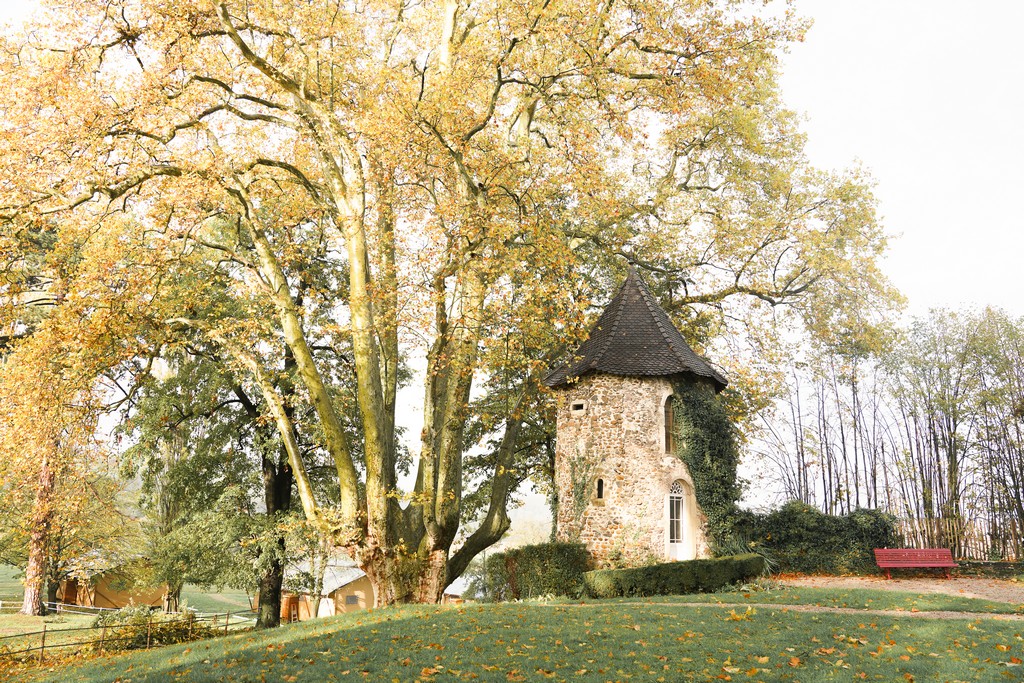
(888, 574)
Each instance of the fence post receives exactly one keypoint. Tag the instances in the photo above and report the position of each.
(103, 636)
(42, 643)
(191, 621)
(227, 620)
(149, 630)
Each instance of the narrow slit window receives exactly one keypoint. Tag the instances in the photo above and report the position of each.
(578, 407)
(600, 489)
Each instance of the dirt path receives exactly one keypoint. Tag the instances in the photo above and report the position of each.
(969, 616)
(782, 607)
(996, 590)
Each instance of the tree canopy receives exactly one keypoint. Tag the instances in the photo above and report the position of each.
(315, 193)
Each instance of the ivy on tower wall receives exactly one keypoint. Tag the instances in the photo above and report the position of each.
(706, 442)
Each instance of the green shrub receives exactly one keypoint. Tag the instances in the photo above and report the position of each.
(137, 626)
(535, 571)
(994, 570)
(674, 578)
(801, 538)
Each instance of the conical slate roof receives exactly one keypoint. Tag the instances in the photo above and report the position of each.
(634, 338)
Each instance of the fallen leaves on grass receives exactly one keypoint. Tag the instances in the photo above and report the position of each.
(592, 644)
(746, 616)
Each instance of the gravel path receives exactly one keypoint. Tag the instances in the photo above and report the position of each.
(968, 587)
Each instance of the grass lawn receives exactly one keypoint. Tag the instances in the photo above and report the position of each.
(594, 642)
(854, 598)
(57, 630)
(10, 585)
(215, 602)
(11, 623)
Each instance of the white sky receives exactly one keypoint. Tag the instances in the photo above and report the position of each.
(15, 9)
(927, 95)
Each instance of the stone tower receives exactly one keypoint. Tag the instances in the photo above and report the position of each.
(622, 490)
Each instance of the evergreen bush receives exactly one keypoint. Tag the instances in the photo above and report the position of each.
(674, 578)
(801, 538)
(535, 571)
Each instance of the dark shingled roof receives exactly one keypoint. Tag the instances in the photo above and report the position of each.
(635, 338)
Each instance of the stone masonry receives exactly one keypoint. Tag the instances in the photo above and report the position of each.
(612, 428)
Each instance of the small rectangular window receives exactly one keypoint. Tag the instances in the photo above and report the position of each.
(579, 406)
(351, 599)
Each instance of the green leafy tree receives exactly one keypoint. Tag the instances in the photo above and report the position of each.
(336, 188)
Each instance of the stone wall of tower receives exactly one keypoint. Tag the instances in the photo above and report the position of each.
(612, 428)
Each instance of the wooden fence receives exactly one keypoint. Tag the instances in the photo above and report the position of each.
(968, 539)
(153, 632)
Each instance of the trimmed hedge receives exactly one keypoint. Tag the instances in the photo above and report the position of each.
(801, 538)
(535, 571)
(673, 578)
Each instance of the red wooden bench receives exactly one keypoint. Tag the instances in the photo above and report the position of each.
(905, 558)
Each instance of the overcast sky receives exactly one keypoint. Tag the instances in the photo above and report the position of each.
(927, 95)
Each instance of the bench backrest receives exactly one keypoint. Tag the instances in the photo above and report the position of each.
(913, 554)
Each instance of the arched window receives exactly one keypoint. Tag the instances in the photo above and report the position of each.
(675, 512)
(600, 489)
(670, 427)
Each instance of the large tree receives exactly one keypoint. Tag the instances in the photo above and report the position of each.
(48, 456)
(345, 185)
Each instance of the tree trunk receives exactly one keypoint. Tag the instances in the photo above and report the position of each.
(324, 553)
(277, 496)
(433, 578)
(42, 517)
(53, 571)
(390, 575)
(268, 611)
(52, 585)
(172, 599)
(399, 579)
(277, 492)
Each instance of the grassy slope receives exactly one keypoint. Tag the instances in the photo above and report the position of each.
(590, 642)
(201, 599)
(216, 602)
(10, 586)
(13, 623)
(59, 630)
